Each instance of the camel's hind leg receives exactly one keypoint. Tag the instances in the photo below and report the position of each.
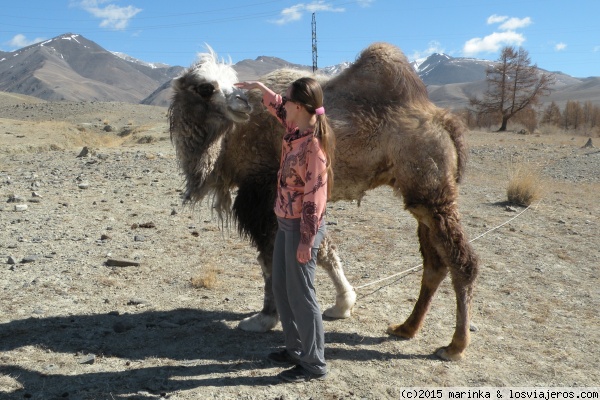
(345, 298)
(434, 272)
(444, 243)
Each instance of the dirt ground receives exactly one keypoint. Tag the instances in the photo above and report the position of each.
(73, 327)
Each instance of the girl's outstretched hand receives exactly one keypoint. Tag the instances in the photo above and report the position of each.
(247, 85)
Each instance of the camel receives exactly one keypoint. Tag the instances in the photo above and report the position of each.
(388, 132)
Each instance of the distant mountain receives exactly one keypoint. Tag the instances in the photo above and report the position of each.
(71, 67)
(246, 70)
(441, 69)
(252, 69)
(136, 61)
(451, 81)
(161, 96)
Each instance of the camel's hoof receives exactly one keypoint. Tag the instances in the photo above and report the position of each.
(258, 323)
(445, 354)
(401, 331)
(344, 303)
(337, 313)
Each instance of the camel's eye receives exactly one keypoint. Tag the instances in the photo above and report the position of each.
(205, 90)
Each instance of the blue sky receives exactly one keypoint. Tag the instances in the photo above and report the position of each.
(559, 35)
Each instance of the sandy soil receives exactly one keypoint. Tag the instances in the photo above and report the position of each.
(74, 327)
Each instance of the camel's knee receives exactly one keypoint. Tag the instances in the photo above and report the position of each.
(327, 256)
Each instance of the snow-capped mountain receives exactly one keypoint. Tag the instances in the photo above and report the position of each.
(134, 60)
(442, 69)
(71, 67)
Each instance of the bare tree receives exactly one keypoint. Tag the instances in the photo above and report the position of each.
(573, 115)
(551, 115)
(513, 85)
(528, 118)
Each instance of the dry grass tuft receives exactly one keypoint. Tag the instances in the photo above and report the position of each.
(524, 184)
(208, 280)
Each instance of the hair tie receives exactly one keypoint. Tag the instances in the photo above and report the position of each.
(320, 110)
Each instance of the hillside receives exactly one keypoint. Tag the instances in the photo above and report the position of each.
(72, 68)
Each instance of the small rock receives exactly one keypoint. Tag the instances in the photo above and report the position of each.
(11, 260)
(88, 359)
(83, 185)
(13, 198)
(510, 209)
(139, 238)
(30, 259)
(588, 144)
(137, 302)
(20, 207)
(84, 152)
(113, 262)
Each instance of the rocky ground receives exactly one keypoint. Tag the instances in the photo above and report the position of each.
(73, 325)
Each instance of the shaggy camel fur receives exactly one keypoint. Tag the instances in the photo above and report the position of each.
(388, 133)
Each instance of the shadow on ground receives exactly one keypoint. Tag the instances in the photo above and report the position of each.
(198, 348)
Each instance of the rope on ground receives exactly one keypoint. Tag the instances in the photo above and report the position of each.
(417, 267)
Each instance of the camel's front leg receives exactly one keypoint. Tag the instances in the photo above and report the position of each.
(345, 298)
(267, 318)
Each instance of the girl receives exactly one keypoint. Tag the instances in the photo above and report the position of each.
(304, 182)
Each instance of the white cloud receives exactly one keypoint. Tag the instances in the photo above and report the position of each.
(19, 41)
(507, 35)
(560, 46)
(365, 3)
(496, 19)
(434, 47)
(492, 43)
(295, 12)
(515, 23)
(113, 17)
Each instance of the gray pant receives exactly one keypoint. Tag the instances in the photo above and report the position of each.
(295, 297)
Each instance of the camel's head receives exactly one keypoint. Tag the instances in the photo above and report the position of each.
(208, 85)
(205, 107)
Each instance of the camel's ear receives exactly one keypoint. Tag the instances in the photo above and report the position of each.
(205, 90)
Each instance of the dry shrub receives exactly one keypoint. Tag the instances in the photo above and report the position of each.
(146, 139)
(208, 280)
(91, 139)
(524, 184)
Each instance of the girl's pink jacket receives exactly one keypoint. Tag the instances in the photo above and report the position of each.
(302, 176)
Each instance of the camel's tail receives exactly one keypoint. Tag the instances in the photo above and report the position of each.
(456, 129)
